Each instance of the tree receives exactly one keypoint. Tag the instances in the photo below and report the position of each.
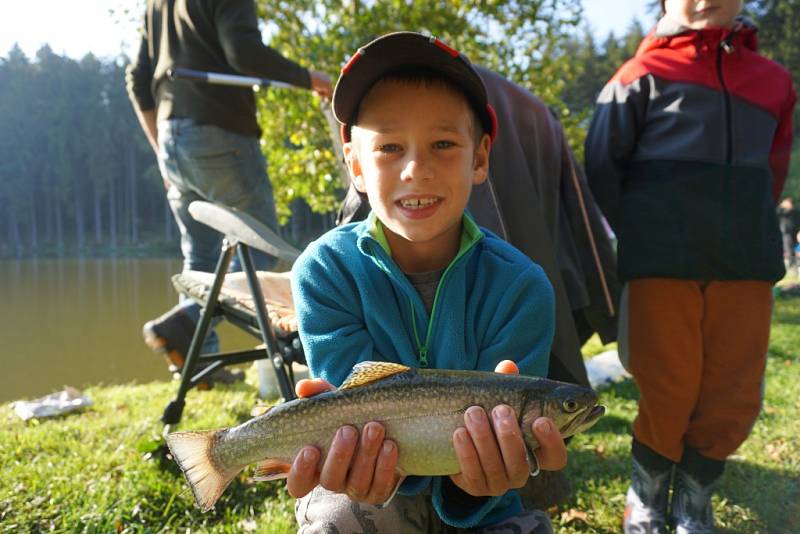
(521, 40)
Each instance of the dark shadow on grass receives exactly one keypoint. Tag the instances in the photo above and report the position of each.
(771, 494)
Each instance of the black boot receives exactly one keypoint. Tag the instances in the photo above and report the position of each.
(171, 335)
(648, 495)
(695, 479)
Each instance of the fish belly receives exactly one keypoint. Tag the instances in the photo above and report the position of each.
(425, 443)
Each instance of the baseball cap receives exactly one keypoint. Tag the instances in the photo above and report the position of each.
(400, 50)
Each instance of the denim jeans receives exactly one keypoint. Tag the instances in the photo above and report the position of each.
(205, 162)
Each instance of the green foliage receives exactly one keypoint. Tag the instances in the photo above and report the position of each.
(792, 187)
(74, 172)
(779, 36)
(521, 40)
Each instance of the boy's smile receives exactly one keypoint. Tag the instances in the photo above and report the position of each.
(414, 154)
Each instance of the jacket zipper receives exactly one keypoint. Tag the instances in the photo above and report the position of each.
(422, 348)
(725, 47)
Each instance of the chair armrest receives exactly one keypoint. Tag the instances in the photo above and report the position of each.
(241, 227)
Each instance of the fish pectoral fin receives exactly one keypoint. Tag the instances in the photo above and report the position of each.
(367, 372)
(271, 469)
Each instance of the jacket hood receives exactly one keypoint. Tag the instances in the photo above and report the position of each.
(670, 34)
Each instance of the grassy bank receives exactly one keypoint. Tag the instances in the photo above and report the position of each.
(96, 471)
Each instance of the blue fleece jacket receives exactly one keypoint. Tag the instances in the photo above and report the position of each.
(493, 303)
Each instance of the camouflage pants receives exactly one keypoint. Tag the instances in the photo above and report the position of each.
(324, 512)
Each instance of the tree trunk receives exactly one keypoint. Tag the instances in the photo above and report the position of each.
(112, 216)
(59, 223)
(34, 228)
(13, 229)
(134, 207)
(80, 230)
(49, 229)
(98, 217)
(294, 221)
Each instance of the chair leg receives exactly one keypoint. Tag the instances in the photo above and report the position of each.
(174, 410)
(268, 336)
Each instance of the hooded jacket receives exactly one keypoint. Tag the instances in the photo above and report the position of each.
(688, 151)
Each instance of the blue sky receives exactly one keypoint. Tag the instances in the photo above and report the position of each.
(75, 31)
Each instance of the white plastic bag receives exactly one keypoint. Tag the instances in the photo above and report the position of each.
(68, 400)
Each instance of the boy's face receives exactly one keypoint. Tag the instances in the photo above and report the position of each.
(414, 154)
(699, 14)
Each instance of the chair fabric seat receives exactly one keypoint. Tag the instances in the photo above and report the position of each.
(235, 296)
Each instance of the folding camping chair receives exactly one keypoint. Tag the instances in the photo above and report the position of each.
(260, 303)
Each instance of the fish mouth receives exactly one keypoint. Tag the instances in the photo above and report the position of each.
(584, 420)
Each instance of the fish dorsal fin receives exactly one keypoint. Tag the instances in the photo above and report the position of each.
(367, 372)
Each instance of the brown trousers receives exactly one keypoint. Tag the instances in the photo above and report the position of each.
(697, 351)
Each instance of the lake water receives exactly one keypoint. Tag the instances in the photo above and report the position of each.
(79, 322)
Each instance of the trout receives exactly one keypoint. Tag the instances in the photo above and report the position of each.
(419, 409)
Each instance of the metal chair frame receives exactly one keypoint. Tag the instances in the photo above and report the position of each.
(242, 235)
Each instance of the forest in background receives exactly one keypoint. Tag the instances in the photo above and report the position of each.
(77, 177)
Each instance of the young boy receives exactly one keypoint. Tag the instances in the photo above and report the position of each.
(687, 153)
(419, 283)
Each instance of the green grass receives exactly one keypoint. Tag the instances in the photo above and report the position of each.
(98, 471)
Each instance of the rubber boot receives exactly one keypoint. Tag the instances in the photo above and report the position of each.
(648, 495)
(695, 479)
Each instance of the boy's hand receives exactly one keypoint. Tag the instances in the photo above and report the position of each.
(493, 465)
(363, 467)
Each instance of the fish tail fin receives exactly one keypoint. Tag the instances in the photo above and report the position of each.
(193, 451)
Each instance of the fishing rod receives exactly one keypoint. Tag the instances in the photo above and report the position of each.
(219, 78)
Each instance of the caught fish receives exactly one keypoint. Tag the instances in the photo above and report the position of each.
(419, 409)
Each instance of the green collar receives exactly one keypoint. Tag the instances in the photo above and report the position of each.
(470, 233)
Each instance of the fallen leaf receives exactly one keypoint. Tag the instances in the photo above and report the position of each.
(775, 450)
(574, 515)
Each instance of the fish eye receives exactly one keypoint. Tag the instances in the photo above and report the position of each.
(569, 405)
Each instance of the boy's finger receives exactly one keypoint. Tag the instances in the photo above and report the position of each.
(386, 478)
(552, 453)
(471, 477)
(308, 387)
(512, 447)
(491, 460)
(359, 480)
(507, 367)
(334, 471)
(303, 474)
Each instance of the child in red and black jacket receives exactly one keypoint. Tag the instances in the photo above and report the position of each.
(687, 153)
